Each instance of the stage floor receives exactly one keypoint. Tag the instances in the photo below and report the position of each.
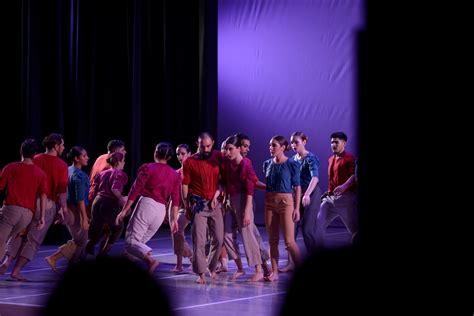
(218, 297)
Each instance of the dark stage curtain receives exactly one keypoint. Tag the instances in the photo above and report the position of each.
(140, 71)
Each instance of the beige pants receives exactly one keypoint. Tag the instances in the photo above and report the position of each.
(251, 246)
(143, 225)
(278, 214)
(13, 219)
(202, 221)
(74, 248)
(28, 247)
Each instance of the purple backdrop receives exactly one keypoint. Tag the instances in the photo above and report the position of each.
(286, 66)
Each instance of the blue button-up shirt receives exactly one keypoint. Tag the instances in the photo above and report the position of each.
(78, 186)
(281, 177)
(309, 167)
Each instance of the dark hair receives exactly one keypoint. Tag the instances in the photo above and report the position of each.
(282, 141)
(51, 140)
(114, 144)
(29, 148)
(164, 150)
(233, 140)
(114, 158)
(74, 152)
(241, 137)
(205, 135)
(300, 135)
(339, 135)
(185, 146)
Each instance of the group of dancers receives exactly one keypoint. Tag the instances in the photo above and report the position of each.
(212, 191)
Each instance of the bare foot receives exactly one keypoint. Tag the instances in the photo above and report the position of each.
(201, 279)
(287, 268)
(272, 277)
(223, 267)
(177, 269)
(154, 264)
(238, 274)
(213, 274)
(266, 269)
(257, 277)
(219, 270)
(3, 268)
(52, 264)
(18, 276)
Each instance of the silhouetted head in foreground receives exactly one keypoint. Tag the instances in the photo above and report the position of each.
(329, 282)
(107, 286)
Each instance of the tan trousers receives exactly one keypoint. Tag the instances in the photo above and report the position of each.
(278, 214)
(202, 221)
(74, 248)
(143, 225)
(13, 219)
(251, 246)
(28, 246)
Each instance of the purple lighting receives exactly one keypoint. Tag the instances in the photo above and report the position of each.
(286, 66)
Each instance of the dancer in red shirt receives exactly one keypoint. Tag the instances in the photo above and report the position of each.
(22, 182)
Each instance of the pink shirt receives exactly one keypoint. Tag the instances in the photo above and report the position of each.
(23, 183)
(239, 178)
(107, 180)
(157, 181)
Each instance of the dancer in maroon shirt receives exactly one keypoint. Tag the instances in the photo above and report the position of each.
(155, 184)
(239, 178)
(108, 202)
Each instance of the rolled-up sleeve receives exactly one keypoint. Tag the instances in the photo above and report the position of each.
(351, 165)
(295, 173)
(313, 163)
(80, 186)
